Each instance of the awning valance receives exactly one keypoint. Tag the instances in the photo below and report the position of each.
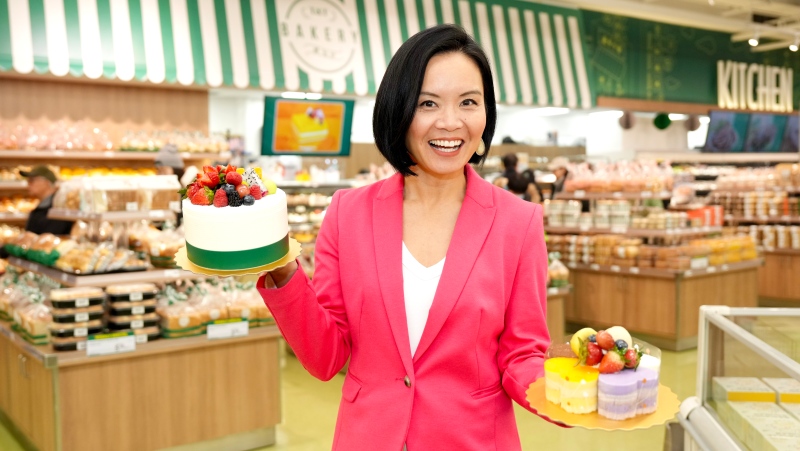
(339, 46)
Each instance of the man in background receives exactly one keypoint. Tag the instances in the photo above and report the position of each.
(42, 186)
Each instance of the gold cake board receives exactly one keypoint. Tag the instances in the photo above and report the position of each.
(183, 261)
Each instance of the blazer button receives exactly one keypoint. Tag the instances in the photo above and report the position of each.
(407, 381)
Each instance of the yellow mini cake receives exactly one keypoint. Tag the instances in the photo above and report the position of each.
(554, 371)
(310, 128)
(579, 389)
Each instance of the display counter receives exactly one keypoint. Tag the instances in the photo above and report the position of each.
(660, 306)
(556, 298)
(748, 377)
(221, 394)
(777, 279)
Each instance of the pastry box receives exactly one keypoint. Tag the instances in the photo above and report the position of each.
(77, 315)
(131, 292)
(76, 330)
(125, 308)
(116, 323)
(69, 344)
(78, 297)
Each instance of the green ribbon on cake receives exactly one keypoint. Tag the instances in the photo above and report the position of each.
(235, 260)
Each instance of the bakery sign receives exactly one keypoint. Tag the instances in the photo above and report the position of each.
(321, 36)
(756, 87)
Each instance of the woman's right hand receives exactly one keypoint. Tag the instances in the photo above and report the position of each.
(279, 277)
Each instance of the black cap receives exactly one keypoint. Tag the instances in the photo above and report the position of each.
(40, 171)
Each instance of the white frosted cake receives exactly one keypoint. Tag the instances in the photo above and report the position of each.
(217, 223)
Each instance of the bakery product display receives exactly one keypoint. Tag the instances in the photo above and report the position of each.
(223, 200)
(602, 371)
(310, 128)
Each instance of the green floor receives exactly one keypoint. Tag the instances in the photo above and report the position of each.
(310, 408)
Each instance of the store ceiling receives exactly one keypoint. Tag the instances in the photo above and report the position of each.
(775, 22)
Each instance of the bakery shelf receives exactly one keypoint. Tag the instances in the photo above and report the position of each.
(779, 189)
(764, 219)
(558, 291)
(13, 216)
(666, 273)
(780, 250)
(13, 185)
(294, 185)
(724, 158)
(643, 233)
(584, 195)
(101, 280)
(111, 216)
(104, 155)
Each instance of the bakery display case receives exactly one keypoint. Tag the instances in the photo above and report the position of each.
(748, 381)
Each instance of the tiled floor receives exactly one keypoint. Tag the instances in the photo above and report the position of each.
(310, 408)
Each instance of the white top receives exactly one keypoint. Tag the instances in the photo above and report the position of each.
(419, 287)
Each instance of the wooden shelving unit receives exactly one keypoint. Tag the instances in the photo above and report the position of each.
(13, 217)
(108, 155)
(102, 280)
(587, 195)
(111, 216)
(638, 233)
(787, 220)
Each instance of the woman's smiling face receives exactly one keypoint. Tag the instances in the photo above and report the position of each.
(450, 116)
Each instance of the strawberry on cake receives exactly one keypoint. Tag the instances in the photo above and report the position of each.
(224, 199)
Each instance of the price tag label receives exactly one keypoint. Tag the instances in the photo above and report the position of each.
(34, 267)
(137, 324)
(175, 205)
(228, 328)
(172, 273)
(81, 317)
(131, 206)
(107, 344)
(711, 269)
(80, 332)
(785, 218)
(724, 267)
(666, 194)
(619, 229)
(688, 273)
(595, 266)
(58, 153)
(571, 265)
(157, 214)
(580, 194)
(108, 153)
(138, 310)
(617, 195)
(552, 290)
(81, 302)
(136, 296)
(634, 270)
(670, 231)
(141, 338)
(615, 268)
(585, 227)
(647, 194)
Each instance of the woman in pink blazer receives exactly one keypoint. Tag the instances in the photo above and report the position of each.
(484, 338)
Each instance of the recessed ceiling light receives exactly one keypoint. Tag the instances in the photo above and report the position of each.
(293, 95)
(753, 42)
(678, 117)
(613, 114)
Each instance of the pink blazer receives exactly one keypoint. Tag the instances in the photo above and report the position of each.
(483, 343)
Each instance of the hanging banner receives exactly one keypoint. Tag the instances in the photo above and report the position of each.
(333, 46)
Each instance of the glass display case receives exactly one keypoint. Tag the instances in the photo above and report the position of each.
(748, 381)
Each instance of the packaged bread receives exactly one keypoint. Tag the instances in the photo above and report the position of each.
(73, 343)
(35, 320)
(179, 316)
(147, 334)
(118, 260)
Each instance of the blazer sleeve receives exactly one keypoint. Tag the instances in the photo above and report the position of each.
(312, 316)
(525, 339)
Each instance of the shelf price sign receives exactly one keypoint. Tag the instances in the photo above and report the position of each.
(227, 328)
(113, 343)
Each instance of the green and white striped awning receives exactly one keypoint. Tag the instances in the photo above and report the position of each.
(337, 46)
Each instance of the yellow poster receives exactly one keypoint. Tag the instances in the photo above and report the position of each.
(307, 126)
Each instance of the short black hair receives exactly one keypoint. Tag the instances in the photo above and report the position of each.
(518, 184)
(510, 161)
(396, 101)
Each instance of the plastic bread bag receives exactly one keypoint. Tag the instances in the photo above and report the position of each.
(118, 260)
(35, 320)
(178, 317)
(558, 273)
(209, 302)
(105, 255)
(248, 304)
(8, 284)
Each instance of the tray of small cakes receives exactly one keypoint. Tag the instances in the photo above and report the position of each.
(604, 380)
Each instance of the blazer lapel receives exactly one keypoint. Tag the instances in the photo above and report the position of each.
(387, 232)
(472, 227)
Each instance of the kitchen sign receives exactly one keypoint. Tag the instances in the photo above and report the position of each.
(755, 87)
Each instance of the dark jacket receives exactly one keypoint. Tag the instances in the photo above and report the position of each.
(39, 223)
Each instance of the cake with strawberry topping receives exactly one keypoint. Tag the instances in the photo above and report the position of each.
(224, 199)
(604, 366)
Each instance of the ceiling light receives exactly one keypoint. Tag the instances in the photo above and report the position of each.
(549, 111)
(313, 96)
(293, 95)
(753, 41)
(613, 114)
(793, 47)
(678, 117)
(705, 120)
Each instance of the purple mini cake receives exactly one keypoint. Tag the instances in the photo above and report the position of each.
(627, 393)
